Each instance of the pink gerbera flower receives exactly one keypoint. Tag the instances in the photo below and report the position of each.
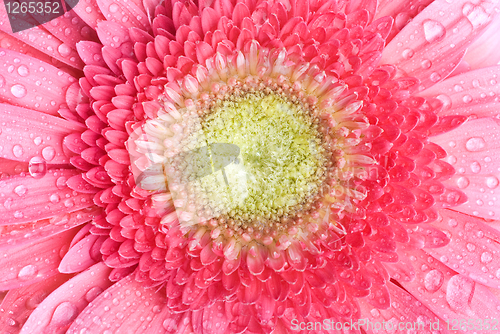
(316, 166)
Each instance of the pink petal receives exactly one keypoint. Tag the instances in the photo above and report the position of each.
(26, 264)
(38, 135)
(130, 14)
(369, 5)
(57, 312)
(472, 93)
(33, 84)
(18, 46)
(472, 151)
(41, 40)
(70, 29)
(29, 199)
(428, 48)
(22, 234)
(408, 311)
(20, 303)
(474, 249)
(448, 294)
(89, 12)
(125, 307)
(79, 257)
(484, 51)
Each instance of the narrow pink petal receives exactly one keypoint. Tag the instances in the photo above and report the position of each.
(408, 311)
(474, 250)
(472, 93)
(446, 293)
(428, 47)
(57, 312)
(402, 10)
(474, 151)
(38, 135)
(369, 5)
(134, 310)
(33, 84)
(130, 14)
(26, 264)
(8, 41)
(22, 234)
(69, 29)
(484, 51)
(79, 257)
(20, 303)
(89, 12)
(43, 41)
(28, 199)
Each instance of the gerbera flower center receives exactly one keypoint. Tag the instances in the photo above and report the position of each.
(279, 161)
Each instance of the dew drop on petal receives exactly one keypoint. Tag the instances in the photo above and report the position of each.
(113, 8)
(459, 291)
(471, 247)
(37, 167)
(28, 272)
(435, 77)
(20, 190)
(486, 257)
(23, 71)
(475, 14)
(475, 167)
(408, 53)
(475, 144)
(61, 182)
(463, 182)
(433, 280)
(64, 50)
(48, 153)
(2, 81)
(18, 91)
(467, 98)
(433, 31)
(54, 198)
(426, 64)
(64, 314)
(17, 150)
(492, 182)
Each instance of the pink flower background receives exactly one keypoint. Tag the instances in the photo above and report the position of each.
(83, 248)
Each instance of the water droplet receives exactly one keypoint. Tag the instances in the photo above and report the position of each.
(37, 141)
(463, 182)
(64, 50)
(408, 53)
(48, 153)
(459, 292)
(61, 182)
(475, 144)
(21, 190)
(475, 167)
(433, 280)
(467, 98)
(433, 31)
(486, 257)
(446, 100)
(458, 88)
(54, 198)
(23, 71)
(113, 8)
(28, 272)
(452, 223)
(471, 247)
(93, 293)
(18, 91)
(435, 77)
(426, 64)
(17, 150)
(2, 81)
(492, 182)
(64, 314)
(475, 14)
(37, 167)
